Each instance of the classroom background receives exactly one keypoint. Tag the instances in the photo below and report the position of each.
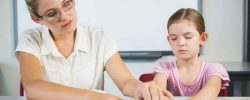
(226, 22)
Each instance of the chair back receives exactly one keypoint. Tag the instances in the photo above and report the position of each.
(150, 76)
(21, 90)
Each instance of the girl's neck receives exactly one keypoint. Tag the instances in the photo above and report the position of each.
(188, 64)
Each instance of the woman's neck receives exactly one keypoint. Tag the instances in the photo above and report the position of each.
(64, 42)
(66, 36)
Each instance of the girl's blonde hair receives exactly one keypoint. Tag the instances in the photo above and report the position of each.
(189, 14)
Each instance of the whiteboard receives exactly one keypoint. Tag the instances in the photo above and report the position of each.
(136, 25)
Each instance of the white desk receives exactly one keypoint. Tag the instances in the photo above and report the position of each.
(129, 98)
(219, 98)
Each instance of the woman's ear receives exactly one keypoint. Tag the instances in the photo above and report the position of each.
(37, 20)
(204, 38)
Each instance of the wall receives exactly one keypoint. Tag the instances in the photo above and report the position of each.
(224, 24)
(9, 70)
(225, 27)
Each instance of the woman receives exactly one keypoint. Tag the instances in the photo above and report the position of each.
(66, 61)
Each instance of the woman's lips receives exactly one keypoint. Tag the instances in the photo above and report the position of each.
(66, 24)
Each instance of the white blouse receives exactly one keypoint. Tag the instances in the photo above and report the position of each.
(84, 68)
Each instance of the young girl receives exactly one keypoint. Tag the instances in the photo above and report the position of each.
(189, 75)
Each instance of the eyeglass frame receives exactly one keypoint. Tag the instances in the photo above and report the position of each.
(45, 16)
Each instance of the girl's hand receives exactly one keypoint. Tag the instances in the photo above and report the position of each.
(150, 91)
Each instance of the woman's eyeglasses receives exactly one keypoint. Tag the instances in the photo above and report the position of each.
(54, 13)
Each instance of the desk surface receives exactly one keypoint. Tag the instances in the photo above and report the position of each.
(237, 67)
(219, 98)
(239, 71)
(129, 98)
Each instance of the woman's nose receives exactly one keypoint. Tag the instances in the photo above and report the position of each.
(63, 15)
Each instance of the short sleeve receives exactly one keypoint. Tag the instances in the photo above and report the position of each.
(29, 43)
(218, 70)
(162, 67)
(110, 47)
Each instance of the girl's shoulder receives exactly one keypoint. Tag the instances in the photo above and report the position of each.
(167, 64)
(217, 69)
(213, 67)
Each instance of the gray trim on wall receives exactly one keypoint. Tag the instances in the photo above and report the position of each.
(15, 23)
(246, 30)
(200, 6)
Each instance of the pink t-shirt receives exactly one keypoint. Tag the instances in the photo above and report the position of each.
(178, 88)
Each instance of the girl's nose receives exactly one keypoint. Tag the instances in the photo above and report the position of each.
(181, 42)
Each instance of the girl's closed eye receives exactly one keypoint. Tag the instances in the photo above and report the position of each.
(188, 36)
(172, 37)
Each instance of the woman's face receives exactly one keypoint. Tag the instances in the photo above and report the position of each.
(58, 15)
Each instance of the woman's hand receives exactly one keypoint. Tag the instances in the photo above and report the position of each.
(109, 97)
(104, 96)
(151, 91)
(101, 96)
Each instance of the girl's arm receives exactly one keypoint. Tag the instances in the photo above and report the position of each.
(36, 88)
(129, 86)
(210, 91)
(160, 80)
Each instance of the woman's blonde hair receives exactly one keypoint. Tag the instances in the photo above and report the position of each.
(32, 7)
(189, 14)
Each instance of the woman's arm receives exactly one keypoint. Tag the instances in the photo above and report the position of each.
(128, 84)
(37, 88)
(210, 91)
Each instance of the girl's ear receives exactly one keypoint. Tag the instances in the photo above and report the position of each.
(37, 20)
(204, 38)
(167, 38)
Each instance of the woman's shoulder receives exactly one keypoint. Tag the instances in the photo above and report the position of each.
(34, 33)
(30, 41)
(92, 30)
(94, 33)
